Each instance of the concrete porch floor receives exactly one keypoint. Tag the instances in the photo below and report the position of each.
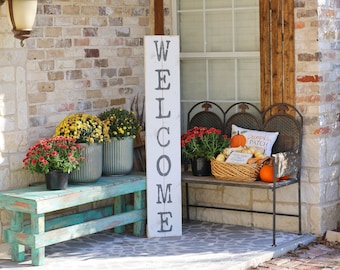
(203, 245)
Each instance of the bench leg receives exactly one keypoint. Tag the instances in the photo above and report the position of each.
(187, 200)
(274, 217)
(299, 205)
(37, 227)
(119, 207)
(139, 227)
(17, 225)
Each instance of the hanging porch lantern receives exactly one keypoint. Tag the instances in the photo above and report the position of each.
(21, 15)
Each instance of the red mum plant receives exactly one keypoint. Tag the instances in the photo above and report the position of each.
(203, 142)
(56, 153)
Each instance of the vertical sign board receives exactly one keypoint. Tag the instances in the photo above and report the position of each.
(162, 136)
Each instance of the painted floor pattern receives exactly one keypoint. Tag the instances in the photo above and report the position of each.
(203, 245)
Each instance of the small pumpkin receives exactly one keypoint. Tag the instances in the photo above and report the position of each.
(267, 173)
(238, 140)
(285, 177)
(220, 157)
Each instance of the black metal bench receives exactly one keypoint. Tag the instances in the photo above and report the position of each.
(283, 118)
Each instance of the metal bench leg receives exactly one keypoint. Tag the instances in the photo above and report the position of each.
(187, 200)
(299, 205)
(274, 216)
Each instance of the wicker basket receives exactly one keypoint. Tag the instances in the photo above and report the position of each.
(235, 172)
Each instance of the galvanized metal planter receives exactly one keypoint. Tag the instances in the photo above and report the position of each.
(118, 156)
(91, 170)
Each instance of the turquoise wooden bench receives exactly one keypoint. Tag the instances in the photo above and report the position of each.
(36, 201)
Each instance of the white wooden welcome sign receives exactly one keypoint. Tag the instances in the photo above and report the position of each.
(162, 111)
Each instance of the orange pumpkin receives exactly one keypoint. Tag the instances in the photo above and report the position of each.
(238, 140)
(267, 173)
(285, 177)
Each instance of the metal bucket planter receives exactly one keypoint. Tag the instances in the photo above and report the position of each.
(56, 180)
(118, 156)
(201, 167)
(91, 170)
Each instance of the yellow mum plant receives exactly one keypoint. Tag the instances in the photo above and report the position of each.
(85, 128)
(121, 123)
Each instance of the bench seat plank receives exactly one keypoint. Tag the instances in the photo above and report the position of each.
(37, 199)
(206, 180)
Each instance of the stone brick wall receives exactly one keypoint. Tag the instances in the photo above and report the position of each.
(81, 58)
(84, 58)
(318, 88)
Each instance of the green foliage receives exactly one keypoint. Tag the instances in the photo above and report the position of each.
(203, 142)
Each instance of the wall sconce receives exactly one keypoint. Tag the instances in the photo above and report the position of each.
(21, 14)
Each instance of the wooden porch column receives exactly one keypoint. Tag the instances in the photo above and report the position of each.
(277, 52)
(159, 17)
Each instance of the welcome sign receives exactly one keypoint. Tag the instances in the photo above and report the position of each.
(162, 139)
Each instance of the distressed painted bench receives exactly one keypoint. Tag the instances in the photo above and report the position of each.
(281, 117)
(36, 201)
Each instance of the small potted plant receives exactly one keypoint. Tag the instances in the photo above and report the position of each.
(55, 157)
(200, 144)
(123, 128)
(122, 123)
(90, 132)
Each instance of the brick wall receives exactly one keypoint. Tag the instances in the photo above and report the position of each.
(318, 89)
(81, 58)
(84, 58)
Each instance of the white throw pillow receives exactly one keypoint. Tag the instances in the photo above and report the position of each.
(262, 140)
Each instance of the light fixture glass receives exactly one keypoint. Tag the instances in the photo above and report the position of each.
(21, 15)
